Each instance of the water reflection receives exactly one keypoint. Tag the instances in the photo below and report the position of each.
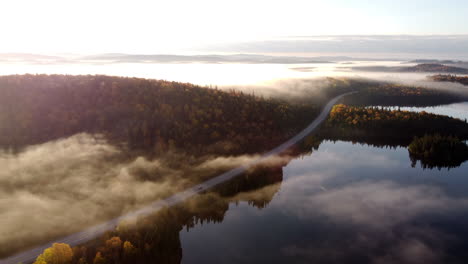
(326, 201)
(457, 110)
(341, 203)
(344, 204)
(323, 201)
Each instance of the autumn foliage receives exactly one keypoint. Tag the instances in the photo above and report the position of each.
(390, 94)
(381, 126)
(59, 253)
(450, 78)
(149, 114)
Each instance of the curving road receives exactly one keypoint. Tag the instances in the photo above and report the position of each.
(93, 232)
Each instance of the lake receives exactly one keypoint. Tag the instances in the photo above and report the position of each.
(340, 203)
(456, 110)
(344, 203)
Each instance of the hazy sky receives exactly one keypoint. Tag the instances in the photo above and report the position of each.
(139, 26)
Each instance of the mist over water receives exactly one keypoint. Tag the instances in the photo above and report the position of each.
(63, 186)
(234, 132)
(345, 203)
(60, 187)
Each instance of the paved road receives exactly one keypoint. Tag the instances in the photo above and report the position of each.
(93, 232)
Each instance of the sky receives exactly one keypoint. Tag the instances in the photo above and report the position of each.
(140, 26)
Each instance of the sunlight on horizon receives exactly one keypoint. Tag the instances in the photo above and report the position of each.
(52, 26)
(198, 73)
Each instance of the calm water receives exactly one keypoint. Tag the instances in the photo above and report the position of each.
(457, 110)
(344, 203)
(341, 203)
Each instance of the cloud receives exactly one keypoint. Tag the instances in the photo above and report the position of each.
(411, 251)
(380, 204)
(377, 46)
(374, 204)
(310, 89)
(229, 162)
(369, 219)
(63, 186)
(319, 189)
(405, 251)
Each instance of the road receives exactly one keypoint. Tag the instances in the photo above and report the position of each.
(93, 232)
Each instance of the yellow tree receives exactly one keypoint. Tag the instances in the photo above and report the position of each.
(129, 250)
(99, 259)
(114, 246)
(59, 253)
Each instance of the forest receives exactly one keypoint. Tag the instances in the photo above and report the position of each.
(450, 78)
(391, 94)
(381, 127)
(157, 115)
(153, 115)
(156, 238)
(438, 151)
(436, 67)
(161, 115)
(434, 140)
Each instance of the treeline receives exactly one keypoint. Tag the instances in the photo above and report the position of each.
(157, 115)
(210, 207)
(155, 239)
(435, 67)
(450, 78)
(381, 127)
(151, 114)
(386, 94)
(438, 151)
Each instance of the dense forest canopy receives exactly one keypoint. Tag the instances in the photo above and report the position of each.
(389, 94)
(156, 116)
(379, 126)
(153, 114)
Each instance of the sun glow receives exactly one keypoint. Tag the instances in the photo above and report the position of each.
(142, 26)
(215, 74)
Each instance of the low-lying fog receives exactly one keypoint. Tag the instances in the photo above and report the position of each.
(62, 186)
(251, 74)
(199, 73)
(277, 80)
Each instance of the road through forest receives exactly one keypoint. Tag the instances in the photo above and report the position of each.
(93, 232)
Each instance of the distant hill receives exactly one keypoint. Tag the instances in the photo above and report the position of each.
(12, 57)
(435, 67)
(160, 58)
(456, 63)
(168, 58)
(436, 61)
(425, 67)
